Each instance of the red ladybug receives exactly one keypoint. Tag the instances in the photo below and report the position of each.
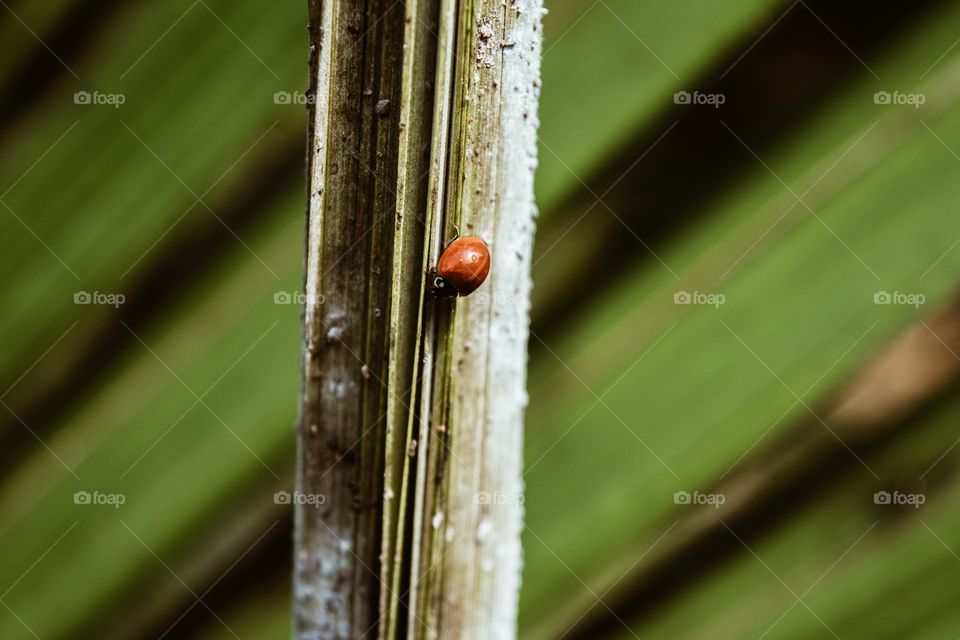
(463, 267)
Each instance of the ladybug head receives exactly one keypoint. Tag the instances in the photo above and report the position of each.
(440, 288)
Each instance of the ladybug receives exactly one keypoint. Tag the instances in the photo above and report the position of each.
(463, 267)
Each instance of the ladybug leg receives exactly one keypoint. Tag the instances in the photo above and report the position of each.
(456, 232)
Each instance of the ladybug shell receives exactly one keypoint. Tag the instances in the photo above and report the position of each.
(465, 264)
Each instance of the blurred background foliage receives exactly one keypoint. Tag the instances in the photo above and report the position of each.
(818, 191)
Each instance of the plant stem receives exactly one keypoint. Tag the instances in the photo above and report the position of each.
(423, 120)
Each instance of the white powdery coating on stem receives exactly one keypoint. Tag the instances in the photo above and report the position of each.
(483, 584)
(509, 324)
